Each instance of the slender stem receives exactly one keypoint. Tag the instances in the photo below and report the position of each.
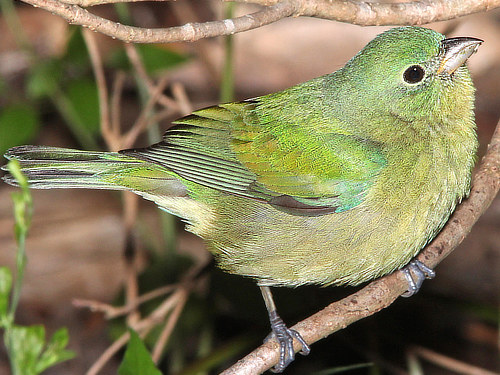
(227, 83)
(102, 89)
(23, 211)
(450, 364)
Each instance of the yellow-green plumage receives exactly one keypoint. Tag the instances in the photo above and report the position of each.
(334, 181)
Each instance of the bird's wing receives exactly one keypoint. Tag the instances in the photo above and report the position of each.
(230, 149)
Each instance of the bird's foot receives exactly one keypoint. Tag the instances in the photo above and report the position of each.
(285, 336)
(415, 273)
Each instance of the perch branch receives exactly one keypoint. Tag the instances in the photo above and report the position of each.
(189, 32)
(382, 292)
(386, 13)
(355, 12)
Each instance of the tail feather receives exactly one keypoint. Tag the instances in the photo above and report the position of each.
(53, 167)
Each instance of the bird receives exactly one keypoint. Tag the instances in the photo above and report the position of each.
(335, 181)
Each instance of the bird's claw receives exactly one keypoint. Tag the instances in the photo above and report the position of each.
(415, 273)
(285, 336)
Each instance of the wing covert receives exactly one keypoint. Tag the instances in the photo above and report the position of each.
(234, 149)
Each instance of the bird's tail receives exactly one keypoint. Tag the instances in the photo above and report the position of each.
(52, 167)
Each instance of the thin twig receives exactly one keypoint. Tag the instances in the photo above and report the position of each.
(449, 363)
(144, 326)
(95, 58)
(144, 118)
(140, 70)
(384, 291)
(181, 98)
(111, 312)
(108, 354)
(169, 327)
(136, 61)
(130, 210)
(162, 115)
(116, 97)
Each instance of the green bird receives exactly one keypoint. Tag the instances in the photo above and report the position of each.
(338, 180)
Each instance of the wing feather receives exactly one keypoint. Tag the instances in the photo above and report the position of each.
(237, 150)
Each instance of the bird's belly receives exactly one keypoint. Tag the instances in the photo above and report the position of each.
(254, 239)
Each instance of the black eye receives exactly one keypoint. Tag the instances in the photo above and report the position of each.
(414, 74)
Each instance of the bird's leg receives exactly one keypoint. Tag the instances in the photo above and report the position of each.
(282, 333)
(415, 273)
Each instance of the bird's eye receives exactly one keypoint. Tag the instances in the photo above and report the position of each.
(414, 74)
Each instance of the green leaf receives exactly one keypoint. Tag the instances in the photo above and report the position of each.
(19, 123)
(76, 50)
(26, 349)
(155, 58)
(43, 79)
(5, 288)
(25, 345)
(137, 359)
(82, 94)
(55, 351)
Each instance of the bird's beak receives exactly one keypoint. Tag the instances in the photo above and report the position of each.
(455, 52)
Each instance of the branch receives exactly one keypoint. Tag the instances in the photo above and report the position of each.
(189, 32)
(350, 11)
(382, 292)
(390, 13)
(91, 3)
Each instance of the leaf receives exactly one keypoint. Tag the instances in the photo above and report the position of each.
(137, 359)
(83, 96)
(26, 349)
(155, 58)
(55, 351)
(25, 345)
(76, 54)
(19, 123)
(43, 79)
(5, 288)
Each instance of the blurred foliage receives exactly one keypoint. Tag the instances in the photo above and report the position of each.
(66, 84)
(27, 347)
(82, 96)
(18, 123)
(44, 78)
(62, 86)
